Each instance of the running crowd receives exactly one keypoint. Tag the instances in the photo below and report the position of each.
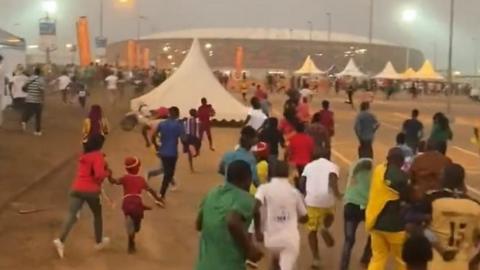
(414, 205)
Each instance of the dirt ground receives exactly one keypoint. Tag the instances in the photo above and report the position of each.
(168, 239)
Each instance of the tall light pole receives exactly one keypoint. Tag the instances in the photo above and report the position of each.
(435, 54)
(370, 23)
(310, 29)
(475, 56)
(329, 26)
(101, 18)
(450, 56)
(408, 16)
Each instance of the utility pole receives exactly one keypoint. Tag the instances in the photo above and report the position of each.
(101, 18)
(329, 26)
(435, 54)
(370, 25)
(450, 57)
(310, 27)
(475, 57)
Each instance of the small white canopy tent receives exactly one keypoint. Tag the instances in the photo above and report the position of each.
(389, 72)
(352, 70)
(309, 67)
(192, 81)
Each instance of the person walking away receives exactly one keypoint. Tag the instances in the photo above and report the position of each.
(426, 170)
(205, 113)
(356, 199)
(285, 208)
(91, 172)
(255, 118)
(300, 150)
(303, 111)
(454, 222)
(63, 81)
(273, 137)
(111, 81)
(417, 252)
(170, 132)
(327, 118)
(248, 138)
(441, 132)
(80, 89)
(132, 204)
(319, 183)
(407, 151)
(366, 125)
(192, 142)
(384, 220)
(413, 130)
(350, 91)
(306, 92)
(224, 216)
(319, 134)
(19, 80)
(261, 153)
(35, 89)
(95, 124)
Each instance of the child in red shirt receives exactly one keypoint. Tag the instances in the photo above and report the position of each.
(132, 205)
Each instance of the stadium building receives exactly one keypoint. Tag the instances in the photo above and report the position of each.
(274, 50)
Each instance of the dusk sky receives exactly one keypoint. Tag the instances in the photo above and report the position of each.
(349, 16)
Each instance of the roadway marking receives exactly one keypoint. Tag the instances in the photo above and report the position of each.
(389, 126)
(341, 157)
(465, 151)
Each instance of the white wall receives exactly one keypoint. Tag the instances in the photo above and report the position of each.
(11, 58)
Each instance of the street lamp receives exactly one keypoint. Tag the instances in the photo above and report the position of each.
(370, 24)
(50, 7)
(408, 16)
(329, 26)
(450, 55)
(208, 46)
(310, 27)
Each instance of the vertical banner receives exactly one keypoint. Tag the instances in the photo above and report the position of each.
(239, 62)
(131, 54)
(146, 58)
(83, 41)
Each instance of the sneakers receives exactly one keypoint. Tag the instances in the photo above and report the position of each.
(37, 133)
(316, 264)
(251, 264)
(24, 126)
(105, 242)
(60, 247)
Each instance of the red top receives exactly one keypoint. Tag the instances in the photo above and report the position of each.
(285, 127)
(205, 112)
(300, 149)
(327, 120)
(133, 184)
(260, 94)
(303, 112)
(91, 172)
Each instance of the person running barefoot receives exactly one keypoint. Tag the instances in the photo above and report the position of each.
(223, 219)
(205, 113)
(284, 209)
(92, 171)
(132, 205)
(320, 184)
(192, 142)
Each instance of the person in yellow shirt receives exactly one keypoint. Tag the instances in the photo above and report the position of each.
(261, 152)
(383, 219)
(95, 124)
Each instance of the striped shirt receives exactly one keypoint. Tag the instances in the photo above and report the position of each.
(192, 127)
(35, 90)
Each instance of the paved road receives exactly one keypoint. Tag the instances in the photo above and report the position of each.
(168, 239)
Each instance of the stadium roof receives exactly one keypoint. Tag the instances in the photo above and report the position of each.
(262, 34)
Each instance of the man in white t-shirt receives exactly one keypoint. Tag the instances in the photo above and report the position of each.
(320, 184)
(284, 208)
(306, 92)
(256, 118)
(18, 81)
(63, 82)
(112, 81)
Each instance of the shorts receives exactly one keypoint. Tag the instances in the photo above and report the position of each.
(316, 217)
(193, 141)
(133, 208)
(287, 256)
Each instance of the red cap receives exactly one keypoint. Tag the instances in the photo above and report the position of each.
(132, 165)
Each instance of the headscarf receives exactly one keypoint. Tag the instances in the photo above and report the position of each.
(95, 116)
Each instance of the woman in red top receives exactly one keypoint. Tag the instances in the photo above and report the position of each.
(132, 205)
(300, 148)
(86, 188)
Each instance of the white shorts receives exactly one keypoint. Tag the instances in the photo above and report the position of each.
(287, 256)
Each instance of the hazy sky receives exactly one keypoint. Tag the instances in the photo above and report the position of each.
(350, 16)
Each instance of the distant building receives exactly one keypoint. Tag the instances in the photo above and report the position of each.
(270, 50)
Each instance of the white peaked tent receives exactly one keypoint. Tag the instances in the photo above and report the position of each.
(389, 72)
(352, 70)
(309, 67)
(192, 81)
